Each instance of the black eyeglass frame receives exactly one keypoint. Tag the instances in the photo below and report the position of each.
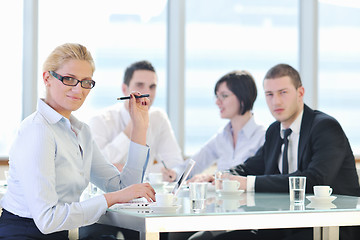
(61, 78)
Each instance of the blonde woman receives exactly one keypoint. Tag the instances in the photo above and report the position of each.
(53, 157)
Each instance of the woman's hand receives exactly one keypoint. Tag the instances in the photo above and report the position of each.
(139, 113)
(129, 193)
(202, 178)
(168, 175)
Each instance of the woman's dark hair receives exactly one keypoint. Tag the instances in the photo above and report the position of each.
(243, 85)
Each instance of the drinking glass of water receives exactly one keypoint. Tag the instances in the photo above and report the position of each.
(198, 196)
(297, 186)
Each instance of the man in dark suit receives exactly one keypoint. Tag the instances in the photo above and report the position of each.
(317, 148)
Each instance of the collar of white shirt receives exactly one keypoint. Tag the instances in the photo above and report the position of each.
(53, 117)
(295, 126)
(248, 130)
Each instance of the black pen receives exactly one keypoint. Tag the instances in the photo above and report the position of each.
(163, 163)
(128, 97)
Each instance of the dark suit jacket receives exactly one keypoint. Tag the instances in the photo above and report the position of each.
(324, 157)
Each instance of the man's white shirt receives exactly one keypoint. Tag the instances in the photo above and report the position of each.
(107, 129)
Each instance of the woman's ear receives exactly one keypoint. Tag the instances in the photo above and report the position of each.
(46, 77)
(241, 108)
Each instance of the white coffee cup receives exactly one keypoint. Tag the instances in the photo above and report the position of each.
(230, 185)
(220, 176)
(165, 199)
(155, 178)
(322, 191)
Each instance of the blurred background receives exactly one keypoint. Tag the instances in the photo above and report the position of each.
(218, 37)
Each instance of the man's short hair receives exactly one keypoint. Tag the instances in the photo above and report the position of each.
(284, 70)
(141, 65)
(243, 85)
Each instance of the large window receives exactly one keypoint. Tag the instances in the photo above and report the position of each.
(117, 33)
(11, 25)
(227, 35)
(339, 65)
(220, 36)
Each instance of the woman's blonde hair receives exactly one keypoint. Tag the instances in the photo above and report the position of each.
(66, 52)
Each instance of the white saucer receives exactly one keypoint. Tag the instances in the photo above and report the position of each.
(314, 199)
(317, 205)
(232, 193)
(161, 209)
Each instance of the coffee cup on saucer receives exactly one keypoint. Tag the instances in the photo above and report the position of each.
(220, 176)
(230, 185)
(322, 191)
(165, 199)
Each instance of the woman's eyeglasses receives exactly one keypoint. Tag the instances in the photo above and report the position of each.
(69, 81)
(222, 96)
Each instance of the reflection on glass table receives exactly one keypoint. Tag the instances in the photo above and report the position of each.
(240, 212)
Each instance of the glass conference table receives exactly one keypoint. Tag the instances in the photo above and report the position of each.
(239, 212)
